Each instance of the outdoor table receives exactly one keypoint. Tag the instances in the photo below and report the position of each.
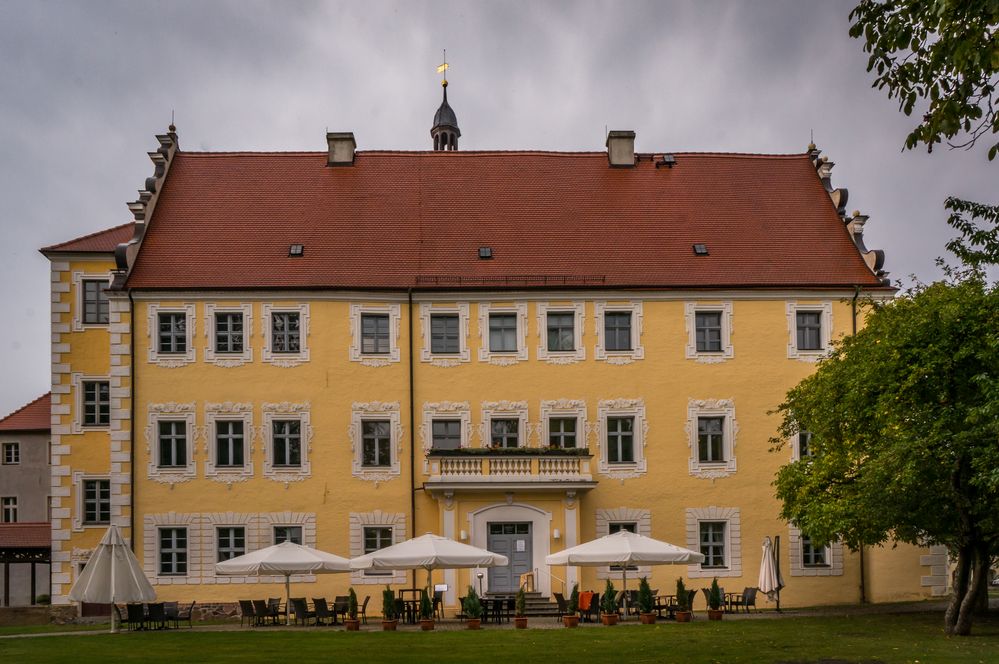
(411, 601)
(728, 600)
(666, 603)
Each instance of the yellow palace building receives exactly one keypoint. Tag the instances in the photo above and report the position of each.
(520, 350)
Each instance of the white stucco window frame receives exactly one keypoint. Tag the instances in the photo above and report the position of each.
(643, 520)
(505, 410)
(170, 360)
(77, 278)
(228, 360)
(446, 410)
(697, 408)
(637, 351)
(463, 355)
(377, 519)
(622, 408)
(286, 411)
(285, 360)
(228, 411)
(78, 478)
(393, 312)
(825, 309)
(503, 358)
(690, 311)
(565, 408)
(156, 412)
(794, 444)
(76, 382)
(834, 557)
(733, 540)
(578, 354)
(375, 410)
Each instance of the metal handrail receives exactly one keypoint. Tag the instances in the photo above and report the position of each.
(551, 576)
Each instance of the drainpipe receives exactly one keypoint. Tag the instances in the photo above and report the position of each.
(863, 564)
(131, 420)
(412, 430)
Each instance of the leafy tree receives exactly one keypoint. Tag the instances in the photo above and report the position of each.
(904, 418)
(978, 245)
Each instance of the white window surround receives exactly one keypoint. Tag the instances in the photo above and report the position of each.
(170, 411)
(170, 360)
(76, 381)
(725, 408)
(578, 354)
(371, 360)
(375, 410)
(285, 360)
(228, 360)
(504, 410)
(446, 410)
(358, 521)
(733, 540)
(78, 478)
(565, 408)
(637, 351)
(77, 279)
(794, 445)
(14, 445)
(228, 411)
(834, 557)
(825, 309)
(460, 310)
(641, 517)
(690, 310)
(502, 359)
(622, 408)
(286, 411)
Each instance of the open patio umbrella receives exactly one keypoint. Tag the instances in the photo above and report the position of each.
(112, 574)
(624, 548)
(286, 558)
(770, 581)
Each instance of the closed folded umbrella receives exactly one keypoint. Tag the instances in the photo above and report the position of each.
(112, 574)
(770, 581)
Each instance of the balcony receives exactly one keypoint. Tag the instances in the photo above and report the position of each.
(506, 470)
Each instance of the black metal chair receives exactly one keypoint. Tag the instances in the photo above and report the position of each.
(747, 600)
(156, 617)
(439, 604)
(563, 606)
(301, 609)
(461, 609)
(341, 604)
(275, 609)
(322, 611)
(247, 612)
(264, 612)
(363, 611)
(182, 615)
(136, 616)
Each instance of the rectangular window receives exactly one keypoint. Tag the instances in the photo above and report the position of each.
(620, 440)
(502, 333)
(444, 334)
(291, 534)
(232, 542)
(8, 509)
(229, 332)
(95, 302)
(618, 526)
(229, 443)
(561, 331)
(173, 443)
(286, 332)
(617, 330)
(377, 537)
(708, 331)
(446, 434)
(11, 454)
(287, 442)
(173, 551)
(712, 544)
(562, 432)
(504, 433)
(804, 444)
(812, 554)
(375, 334)
(96, 403)
(809, 330)
(172, 332)
(376, 443)
(711, 439)
(96, 502)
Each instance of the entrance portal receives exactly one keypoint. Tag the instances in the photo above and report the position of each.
(512, 540)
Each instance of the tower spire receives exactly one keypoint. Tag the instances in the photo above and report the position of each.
(445, 131)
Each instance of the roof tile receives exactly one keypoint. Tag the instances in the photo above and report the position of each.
(35, 416)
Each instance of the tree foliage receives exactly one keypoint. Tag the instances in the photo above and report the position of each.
(944, 53)
(904, 418)
(978, 245)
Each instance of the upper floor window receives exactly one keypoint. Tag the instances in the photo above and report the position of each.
(95, 302)
(287, 442)
(291, 534)
(96, 502)
(446, 434)
(617, 330)
(562, 432)
(813, 554)
(805, 444)
(809, 329)
(620, 440)
(96, 403)
(172, 443)
(173, 551)
(561, 331)
(11, 454)
(712, 537)
(375, 334)
(708, 331)
(712, 428)
(376, 443)
(231, 542)
(504, 433)
(229, 443)
(229, 332)
(444, 331)
(444, 334)
(171, 333)
(502, 333)
(286, 332)
(711, 439)
(8, 509)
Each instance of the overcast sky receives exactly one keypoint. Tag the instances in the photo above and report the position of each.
(84, 86)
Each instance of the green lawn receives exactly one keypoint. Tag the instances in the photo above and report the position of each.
(878, 638)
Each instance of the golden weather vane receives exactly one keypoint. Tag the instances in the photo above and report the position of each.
(443, 67)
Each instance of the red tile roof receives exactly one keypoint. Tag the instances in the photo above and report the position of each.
(26, 535)
(416, 219)
(36, 416)
(95, 243)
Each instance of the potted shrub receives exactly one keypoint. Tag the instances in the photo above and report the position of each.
(646, 603)
(520, 617)
(426, 612)
(571, 619)
(473, 609)
(352, 623)
(389, 620)
(682, 602)
(608, 605)
(715, 601)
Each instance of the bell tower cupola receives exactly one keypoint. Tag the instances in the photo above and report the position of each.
(445, 131)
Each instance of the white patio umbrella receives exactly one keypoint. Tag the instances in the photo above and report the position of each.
(770, 581)
(112, 574)
(285, 559)
(624, 548)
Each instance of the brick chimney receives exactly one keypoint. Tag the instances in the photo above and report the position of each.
(621, 149)
(341, 148)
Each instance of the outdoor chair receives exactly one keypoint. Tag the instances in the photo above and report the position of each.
(275, 608)
(246, 612)
(170, 610)
(461, 609)
(563, 607)
(123, 620)
(691, 596)
(747, 600)
(264, 612)
(593, 609)
(301, 609)
(341, 604)
(439, 604)
(322, 611)
(183, 615)
(136, 616)
(363, 611)
(509, 607)
(157, 615)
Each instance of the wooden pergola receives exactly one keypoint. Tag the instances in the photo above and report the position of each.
(24, 543)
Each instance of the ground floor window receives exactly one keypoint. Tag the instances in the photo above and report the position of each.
(712, 543)
(291, 534)
(377, 537)
(813, 554)
(173, 551)
(232, 542)
(96, 502)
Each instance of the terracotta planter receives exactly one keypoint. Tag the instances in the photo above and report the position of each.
(609, 618)
(520, 622)
(474, 623)
(715, 614)
(684, 616)
(647, 618)
(570, 621)
(427, 624)
(389, 625)
(353, 624)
